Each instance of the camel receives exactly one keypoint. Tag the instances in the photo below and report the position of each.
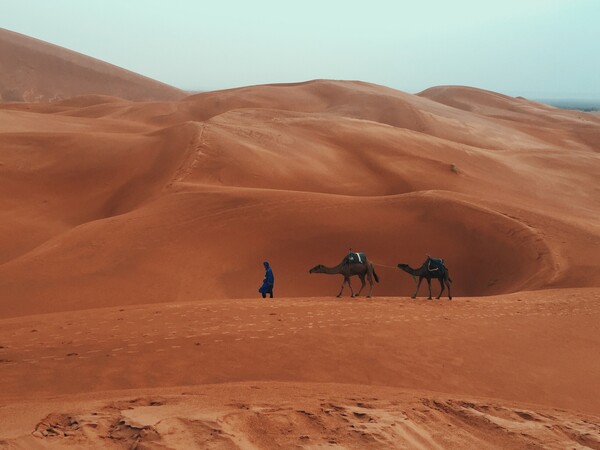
(425, 271)
(349, 268)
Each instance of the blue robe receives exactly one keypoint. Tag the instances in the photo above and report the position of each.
(268, 282)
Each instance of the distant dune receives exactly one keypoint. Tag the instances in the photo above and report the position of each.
(33, 71)
(132, 236)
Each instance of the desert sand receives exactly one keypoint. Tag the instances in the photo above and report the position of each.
(132, 236)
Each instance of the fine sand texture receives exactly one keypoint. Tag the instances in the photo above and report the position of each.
(507, 371)
(132, 236)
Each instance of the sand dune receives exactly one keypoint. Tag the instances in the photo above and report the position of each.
(132, 236)
(114, 193)
(33, 71)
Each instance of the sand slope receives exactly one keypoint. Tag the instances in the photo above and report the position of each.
(33, 70)
(510, 371)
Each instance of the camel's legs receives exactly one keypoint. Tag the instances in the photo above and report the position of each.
(448, 284)
(369, 275)
(442, 285)
(342, 287)
(418, 285)
(429, 284)
(362, 280)
(370, 284)
(350, 286)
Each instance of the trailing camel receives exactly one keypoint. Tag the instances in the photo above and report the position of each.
(431, 268)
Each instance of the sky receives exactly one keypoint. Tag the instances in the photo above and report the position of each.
(540, 49)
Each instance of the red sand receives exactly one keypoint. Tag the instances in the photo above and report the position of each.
(131, 242)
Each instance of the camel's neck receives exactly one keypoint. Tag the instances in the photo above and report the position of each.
(332, 270)
(411, 270)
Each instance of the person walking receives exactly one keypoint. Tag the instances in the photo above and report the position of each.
(268, 282)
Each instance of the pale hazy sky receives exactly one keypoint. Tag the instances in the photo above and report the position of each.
(534, 48)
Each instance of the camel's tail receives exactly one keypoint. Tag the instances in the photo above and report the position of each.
(375, 275)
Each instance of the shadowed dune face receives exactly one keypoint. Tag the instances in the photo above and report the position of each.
(108, 201)
(206, 244)
(54, 181)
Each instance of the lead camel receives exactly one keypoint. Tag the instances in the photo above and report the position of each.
(349, 267)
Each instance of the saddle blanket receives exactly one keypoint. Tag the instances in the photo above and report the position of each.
(355, 258)
(434, 264)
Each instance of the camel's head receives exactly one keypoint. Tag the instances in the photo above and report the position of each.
(402, 266)
(317, 269)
